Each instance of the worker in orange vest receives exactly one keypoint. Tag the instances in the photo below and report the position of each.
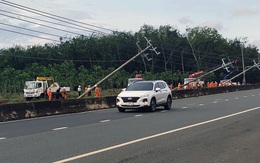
(86, 89)
(64, 93)
(179, 86)
(49, 94)
(190, 86)
(97, 92)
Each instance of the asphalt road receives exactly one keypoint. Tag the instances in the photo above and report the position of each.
(215, 128)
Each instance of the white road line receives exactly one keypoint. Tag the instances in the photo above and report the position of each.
(60, 128)
(236, 98)
(107, 120)
(245, 96)
(152, 136)
(184, 107)
(253, 95)
(214, 102)
(226, 99)
(201, 104)
(163, 111)
(2, 138)
(138, 115)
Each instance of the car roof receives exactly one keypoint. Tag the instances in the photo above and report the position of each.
(149, 81)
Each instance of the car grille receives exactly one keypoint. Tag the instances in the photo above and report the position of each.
(29, 92)
(130, 99)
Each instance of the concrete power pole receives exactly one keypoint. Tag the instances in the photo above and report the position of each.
(243, 72)
(149, 46)
(243, 64)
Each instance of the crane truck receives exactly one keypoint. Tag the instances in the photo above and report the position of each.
(38, 88)
(193, 80)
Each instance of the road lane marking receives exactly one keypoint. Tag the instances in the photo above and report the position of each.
(107, 120)
(60, 128)
(236, 98)
(226, 99)
(153, 136)
(139, 115)
(201, 104)
(2, 138)
(253, 95)
(214, 102)
(245, 96)
(184, 107)
(163, 111)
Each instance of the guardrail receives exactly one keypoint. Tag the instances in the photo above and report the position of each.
(47, 108)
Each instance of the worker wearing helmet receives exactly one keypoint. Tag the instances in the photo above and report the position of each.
(79, 90)
(63, 93)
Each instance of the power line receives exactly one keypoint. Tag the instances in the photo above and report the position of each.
(36, 10)
(45, 21)
(29, 35)
(52, 16)
(30, 30)
(41, 24)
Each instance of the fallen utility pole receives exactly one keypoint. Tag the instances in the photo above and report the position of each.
(255, 65)
(224, 65)
(149, 45)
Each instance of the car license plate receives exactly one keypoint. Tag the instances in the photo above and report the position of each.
(130, 103)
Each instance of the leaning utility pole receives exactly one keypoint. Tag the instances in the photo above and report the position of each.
(149, 46)
(243, 72)
(224, 65)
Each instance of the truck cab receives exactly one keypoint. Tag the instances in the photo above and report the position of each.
(34, 89)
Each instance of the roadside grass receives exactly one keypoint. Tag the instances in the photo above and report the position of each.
(8, 98)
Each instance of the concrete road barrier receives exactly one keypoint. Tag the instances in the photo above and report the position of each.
(47, 108)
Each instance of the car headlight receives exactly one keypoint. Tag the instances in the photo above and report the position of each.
(143, 96)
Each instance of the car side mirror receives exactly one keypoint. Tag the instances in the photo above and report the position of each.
(157, 89)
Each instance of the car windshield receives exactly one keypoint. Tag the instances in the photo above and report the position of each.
(141, 86)
(133, 80)
(30, 85)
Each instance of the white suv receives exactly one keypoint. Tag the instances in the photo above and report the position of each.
(145, 94)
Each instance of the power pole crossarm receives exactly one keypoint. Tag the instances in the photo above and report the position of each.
(120, 67)
(243, 72)
(220, 67)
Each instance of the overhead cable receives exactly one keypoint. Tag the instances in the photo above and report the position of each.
(29, 35)
(45, 21)
(41, 24)
(31, 30)
(52, 16)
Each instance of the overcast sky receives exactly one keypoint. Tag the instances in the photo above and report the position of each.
(232, 18)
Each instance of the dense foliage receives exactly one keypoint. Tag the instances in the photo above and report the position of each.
(87, 59)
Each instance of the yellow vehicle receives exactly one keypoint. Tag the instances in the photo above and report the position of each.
(45, 79)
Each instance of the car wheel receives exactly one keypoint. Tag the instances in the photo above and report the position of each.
(121, 109)
(168, 104)
(152, 105)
